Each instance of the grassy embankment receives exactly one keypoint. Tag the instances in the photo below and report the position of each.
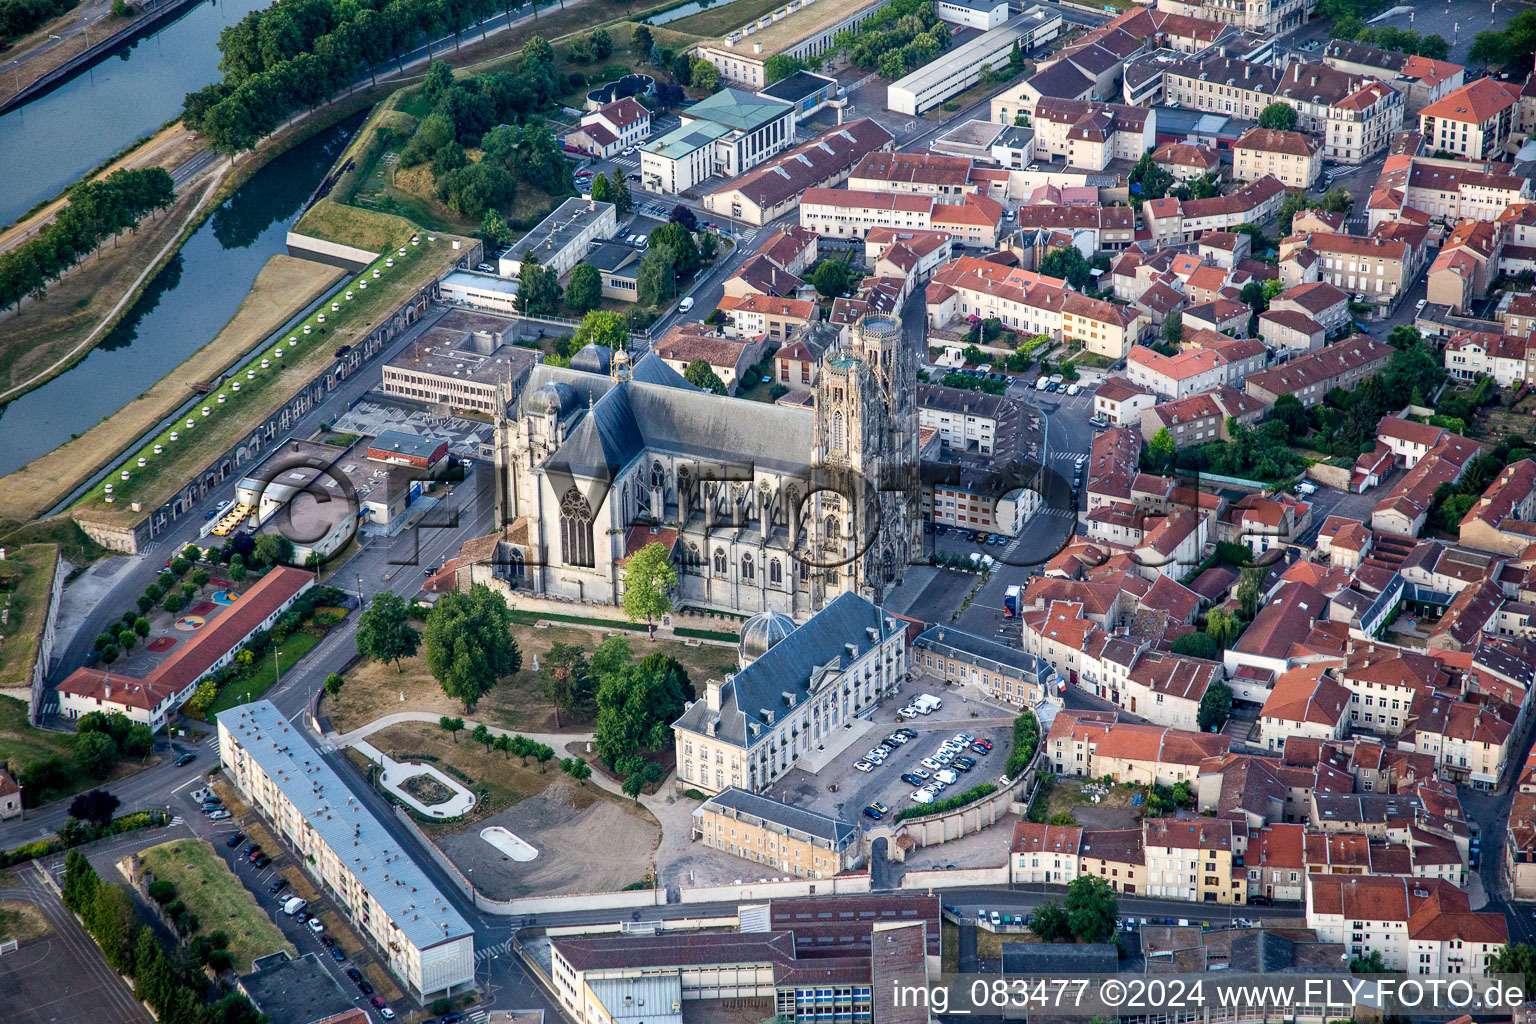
(264, 389)
(284, 286)
(211, 891)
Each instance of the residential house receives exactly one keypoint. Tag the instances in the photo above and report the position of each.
(1293, 157)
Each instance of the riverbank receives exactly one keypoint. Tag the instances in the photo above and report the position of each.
(285, 286)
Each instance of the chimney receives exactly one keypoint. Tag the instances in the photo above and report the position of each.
(712, 694)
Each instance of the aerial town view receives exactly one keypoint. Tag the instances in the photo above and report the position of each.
(763, 512)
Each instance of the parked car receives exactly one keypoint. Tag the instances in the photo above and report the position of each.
(294, 905)
(278, 886)
(250, 849)
(218, 815)
(863, 766)
(894, 740)
(386, 1013)
(365, 988)
(875, 810)
(337, 954)
(910, 779)
(994, 918)
(879, 752)
(234, 840)
(908, 712)
(910, 734)
(959, 765)
(262, 861)
(327, 941)
(931, 764)
(978, 748)
(354, 974)
(315, 925)
(185, 759)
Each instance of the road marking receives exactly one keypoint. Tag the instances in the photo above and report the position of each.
(184, 785)
(487, 952)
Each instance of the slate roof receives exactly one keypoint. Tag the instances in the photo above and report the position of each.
(788, 667)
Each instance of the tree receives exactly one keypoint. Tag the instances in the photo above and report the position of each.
(108, 654)
(649, 579)
(701, 374)
(274, 549)
(620, 188)
(1173, 328)
(891, 66)
(95, 806)
(1215, 707)
(452, 726)
(1196, 645)
(384, 631)
(602, 44)
(96, 753)
(641, 42)
(174, 603)
(831, 278)
(1367, 963)
(200, 578)
(656, 277)
(480, 734)
(1161, 449)
(637, 703)
(1069, 265)
(438, 81)
(578, 769)
(237, 572)
(127, 640)
(633, 786)
(1063, 818)
(468, 644)
(705, 76)
(334, 682)
(1148, 181)
(543, 753)
(1515, 957)
(584, 291)
(538, 289)
(504, 744)
(601, 327)
(1249, 591)
(779, 66)
(1221, 627)
(1050, 923)
(1289, 410)
(1092, 909)
(1402, 336)
(567, 678)
(495, 230)
(1278, 114)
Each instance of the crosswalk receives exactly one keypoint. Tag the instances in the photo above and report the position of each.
(1063, 455)
(486, 952)
(1058, 513)
(178, 820)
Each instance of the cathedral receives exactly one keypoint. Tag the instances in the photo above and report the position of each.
(764, 507)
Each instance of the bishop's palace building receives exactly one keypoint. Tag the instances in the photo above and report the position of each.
(765, 508)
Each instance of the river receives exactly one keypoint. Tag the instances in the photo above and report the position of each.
(185, 305)
(46, 145)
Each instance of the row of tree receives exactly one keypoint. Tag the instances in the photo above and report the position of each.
(290, 57)
(97, 211)
(1386, 37)
(174, 984)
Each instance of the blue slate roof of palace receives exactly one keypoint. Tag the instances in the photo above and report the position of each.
(787, 667)
(387, 872)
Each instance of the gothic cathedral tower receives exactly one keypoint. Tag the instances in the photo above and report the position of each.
(864, 521)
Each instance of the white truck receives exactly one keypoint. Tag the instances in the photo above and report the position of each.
(927, 703)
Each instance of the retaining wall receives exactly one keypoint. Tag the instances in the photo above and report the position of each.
(334, 254)
(1336, 477)
(949, 878)
(838, 886)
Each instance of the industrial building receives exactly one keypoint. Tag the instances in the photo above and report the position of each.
(801, 28)
(408, 924)
(962, 67)
(481, 291)
(458, 363)
(560, 240)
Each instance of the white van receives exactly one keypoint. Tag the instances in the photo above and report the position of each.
(946, 776)
(922, 796)
(293, 906)
(927, 703)
(1041, 383)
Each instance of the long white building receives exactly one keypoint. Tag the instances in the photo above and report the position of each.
(387, 897)
(959, 69)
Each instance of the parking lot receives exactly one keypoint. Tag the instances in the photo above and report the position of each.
(856, 790)
(264, 866)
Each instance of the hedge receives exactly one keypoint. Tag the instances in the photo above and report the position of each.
(953, 803)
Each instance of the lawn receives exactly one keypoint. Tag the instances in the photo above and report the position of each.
(244, 691)
(22, 742)
(349, 225)
(284, 286)
(263, 389)
(31, 570)
(499, 781)
(212, 892)
(21, 921)
(374, 689)
(719, 18)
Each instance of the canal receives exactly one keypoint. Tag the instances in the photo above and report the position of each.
(185, 305)
(46, 145)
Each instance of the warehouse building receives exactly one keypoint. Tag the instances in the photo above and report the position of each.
(389, 900)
